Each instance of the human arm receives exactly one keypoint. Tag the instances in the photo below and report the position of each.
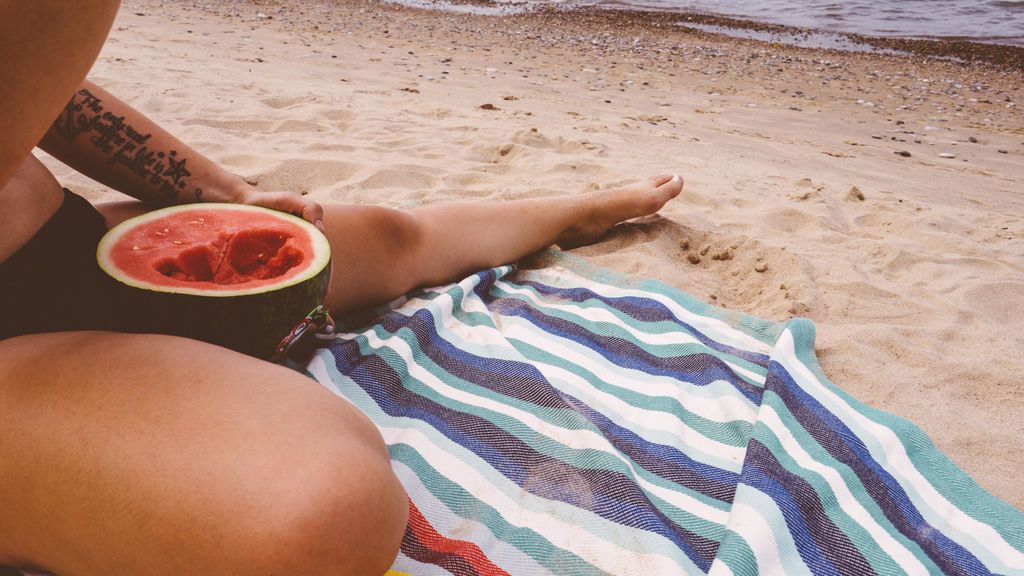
(107, 140)
(47, 47)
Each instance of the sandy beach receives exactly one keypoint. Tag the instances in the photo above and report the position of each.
(880, 196)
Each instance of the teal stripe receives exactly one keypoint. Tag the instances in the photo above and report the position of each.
(735, 553)
(880, 561)
(609, 459)
(609, 329)
(734, 433)
(768, 510)
(464, 504)
(638, 540)
(765, 331)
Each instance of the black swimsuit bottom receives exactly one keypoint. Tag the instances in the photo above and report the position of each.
(53, 282)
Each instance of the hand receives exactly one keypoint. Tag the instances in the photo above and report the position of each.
(289, 202)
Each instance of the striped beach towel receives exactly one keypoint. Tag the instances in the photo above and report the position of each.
(570, 421)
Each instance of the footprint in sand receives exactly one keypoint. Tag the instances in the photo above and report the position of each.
(409, 177)
(304, 175)
(279, 102)
(244, 128)
(300, 126)
(504, 153)
(999, 302)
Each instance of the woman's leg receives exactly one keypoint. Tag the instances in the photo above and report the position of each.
(147, 455)
(380, 254)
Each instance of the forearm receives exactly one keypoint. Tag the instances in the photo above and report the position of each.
(109, 141)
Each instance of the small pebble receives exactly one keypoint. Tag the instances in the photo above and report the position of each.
(947, 155)
(488, 107)
(903, 153)
(693, 258)
(856, 193)
(723, 255)
(760, 267)
(972, 140)
(1004, 151)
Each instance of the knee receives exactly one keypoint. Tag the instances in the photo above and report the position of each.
(340, 518)
(401, 230)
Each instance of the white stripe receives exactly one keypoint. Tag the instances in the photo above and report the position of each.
(575, 439)
(675, 338)
(723, 331)
(724, 409)
(456, 527)
(728, 404)
(600, 552)
(889, 450)
(682, 500)
(752, 527)
(718, 567)
(757, 517)
(846, 500)
(628, 414)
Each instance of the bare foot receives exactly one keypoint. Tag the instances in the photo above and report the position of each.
(603, 210)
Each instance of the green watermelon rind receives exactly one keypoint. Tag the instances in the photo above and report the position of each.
(250, 321)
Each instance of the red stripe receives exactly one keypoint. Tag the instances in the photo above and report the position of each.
(468, 551)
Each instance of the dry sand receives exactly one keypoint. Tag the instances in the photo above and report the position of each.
(796, 202)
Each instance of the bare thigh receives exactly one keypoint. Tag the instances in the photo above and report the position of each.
(144, 454)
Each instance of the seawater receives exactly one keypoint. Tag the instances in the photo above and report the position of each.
(991, 21)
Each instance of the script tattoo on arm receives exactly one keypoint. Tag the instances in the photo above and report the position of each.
(85, 116)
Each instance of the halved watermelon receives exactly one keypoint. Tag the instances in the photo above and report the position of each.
(237, 276)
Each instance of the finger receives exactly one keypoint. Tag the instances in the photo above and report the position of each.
(294, 204)
(314, 212)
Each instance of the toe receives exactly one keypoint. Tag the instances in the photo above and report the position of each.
(662, 179)
(672, 186)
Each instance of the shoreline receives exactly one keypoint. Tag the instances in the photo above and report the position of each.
(958, 48)
(799, 200)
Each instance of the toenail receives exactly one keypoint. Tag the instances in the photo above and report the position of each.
(675, 177)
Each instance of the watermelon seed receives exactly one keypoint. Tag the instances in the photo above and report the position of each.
(135, 247)
(177, 241)
(159, 233)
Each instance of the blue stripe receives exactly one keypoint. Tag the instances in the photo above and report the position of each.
(644, 310)
(841, 443)
(615, 496)
(824, 547)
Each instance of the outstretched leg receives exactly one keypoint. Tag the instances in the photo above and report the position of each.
(380, 254)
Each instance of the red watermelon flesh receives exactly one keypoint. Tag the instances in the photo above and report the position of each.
(213, 250)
